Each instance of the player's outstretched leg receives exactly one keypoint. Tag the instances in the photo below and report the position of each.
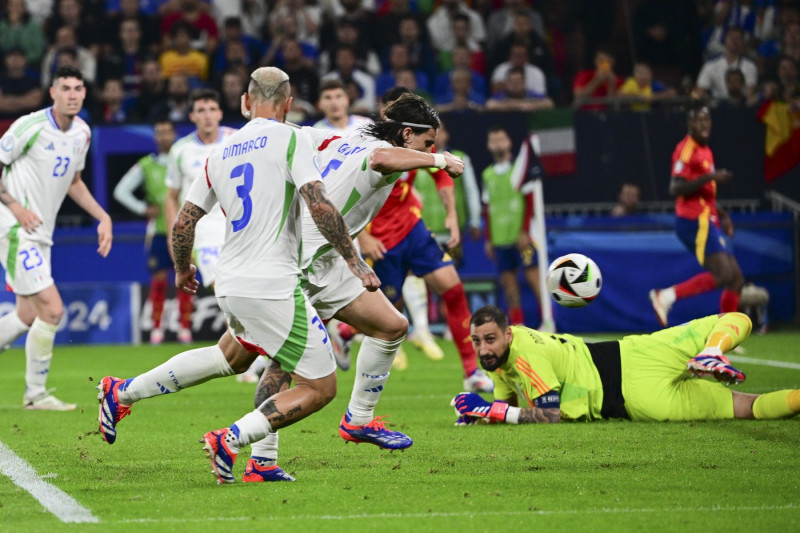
(373, 433)
(111, 410)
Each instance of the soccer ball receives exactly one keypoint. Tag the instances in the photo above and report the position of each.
(574, 280)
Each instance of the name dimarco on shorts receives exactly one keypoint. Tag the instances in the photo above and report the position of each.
(244, 147)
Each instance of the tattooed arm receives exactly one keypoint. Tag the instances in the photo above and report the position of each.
(26, 218)
(332, 226)
(535, 415)
(182, 244)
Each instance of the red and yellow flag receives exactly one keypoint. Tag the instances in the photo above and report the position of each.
(782, 146)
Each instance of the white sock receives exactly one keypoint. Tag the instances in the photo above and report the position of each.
(38, 354)
(372, 370)
(667, 296)
(415, 296)
(11, 327)
(186, 369)
(265, 451)
(252, 427)
(258, 366)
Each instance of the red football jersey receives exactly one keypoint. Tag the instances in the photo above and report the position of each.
(402, 209)
(691, 161)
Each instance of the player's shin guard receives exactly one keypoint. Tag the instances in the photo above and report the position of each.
(266, 450)
(455, 301)
(158, 294)
(372, 370)
(778, 404)
(38, 354)
(730, 330)
(698, 284)
(181, 371)
(729, 301)
(185, 306)
(11, 327)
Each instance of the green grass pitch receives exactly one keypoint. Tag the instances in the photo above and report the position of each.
(605, 476)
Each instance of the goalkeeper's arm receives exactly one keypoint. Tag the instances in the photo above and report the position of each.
(545, 410)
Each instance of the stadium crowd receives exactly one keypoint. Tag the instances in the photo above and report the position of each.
(141, 58)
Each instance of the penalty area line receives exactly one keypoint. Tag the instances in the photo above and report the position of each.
(55, 500)
(764, 362)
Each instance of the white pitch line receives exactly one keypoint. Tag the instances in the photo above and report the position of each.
(764, 362)
(539, 512)
(52, 498)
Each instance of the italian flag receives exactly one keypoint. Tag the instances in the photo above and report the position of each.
(553, 139)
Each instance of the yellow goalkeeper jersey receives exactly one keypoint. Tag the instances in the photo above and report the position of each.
(540, 362)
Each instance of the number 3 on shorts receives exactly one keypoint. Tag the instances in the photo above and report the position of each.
(243, 190)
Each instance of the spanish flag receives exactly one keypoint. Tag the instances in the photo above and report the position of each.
(782, 144)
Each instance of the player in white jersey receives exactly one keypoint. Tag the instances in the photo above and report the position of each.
(334, 104)
(256, 176)
(187, 159)
(41, 156)
(374, 163)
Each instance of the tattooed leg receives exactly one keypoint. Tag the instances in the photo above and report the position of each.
(306, 397)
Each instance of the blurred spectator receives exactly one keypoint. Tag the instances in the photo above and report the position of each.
(711, 80)
(399, 59)
(287, 30)
(440, 24)
(40, 10)
(736, 99)
(347, 33)
(421, 55)
(535, 80)
(501, 22)
(462, 37)
(203, 28)
(666, 36)
(148, 25)
(151, 8)
(232, 88)
(461, 95)
(727, 14)
(301, 110)
(407, 78)
(627, 200)
(334, 104)
(70, 13)
(301, 71)
(180, 58)
(125, 59)
(20, 30)
(787, 86)
(642, 86)
(359, 84)
(389, 20)
(515, 97)
(152, 90)
(789, 46)
(175, 105)
(600, 82)
(66, 40)
(352, 10)
(19, 91)
(232, 33)
(443, 91)
(307, 17)
(112, 106)
(539, 53)
(252, 15)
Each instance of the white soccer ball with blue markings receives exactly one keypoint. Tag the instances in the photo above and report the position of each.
(574, 280)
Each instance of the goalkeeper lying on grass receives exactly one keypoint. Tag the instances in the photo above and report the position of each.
(641, 377)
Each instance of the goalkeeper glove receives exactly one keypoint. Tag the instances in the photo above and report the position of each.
(471, 404)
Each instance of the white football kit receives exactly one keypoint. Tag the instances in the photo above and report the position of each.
(255, 176)
(354, 125)
(358, 192)
(187, 159)
(41, 162)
